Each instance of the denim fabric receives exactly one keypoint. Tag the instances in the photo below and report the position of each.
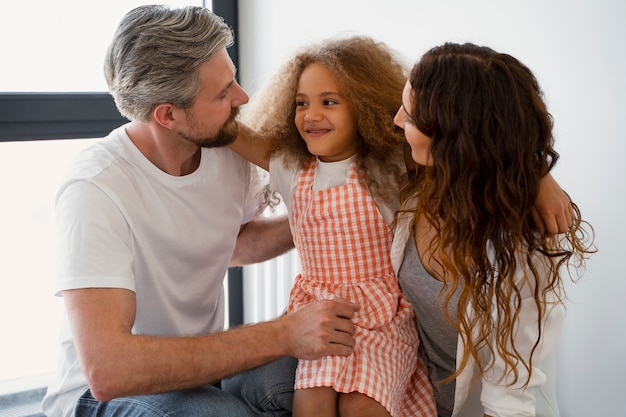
(266, 391)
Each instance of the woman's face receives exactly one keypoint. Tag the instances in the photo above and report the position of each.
(324, 117)
(419, 142)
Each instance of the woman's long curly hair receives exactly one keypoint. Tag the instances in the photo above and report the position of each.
(372, 77)
(491, 143)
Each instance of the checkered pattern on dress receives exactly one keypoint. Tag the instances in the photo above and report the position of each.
(343, 243)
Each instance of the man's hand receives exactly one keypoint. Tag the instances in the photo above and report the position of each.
(553, 212)
(320, 329)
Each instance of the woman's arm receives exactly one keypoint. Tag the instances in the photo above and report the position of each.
(553, 211)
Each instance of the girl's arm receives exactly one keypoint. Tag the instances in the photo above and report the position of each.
(252, 146)
(553, 211)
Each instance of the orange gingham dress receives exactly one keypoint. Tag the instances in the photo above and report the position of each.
(343, 242)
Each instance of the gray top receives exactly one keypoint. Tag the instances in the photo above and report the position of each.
(438, 339)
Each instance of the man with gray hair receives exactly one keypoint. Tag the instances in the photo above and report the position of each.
(149, 219)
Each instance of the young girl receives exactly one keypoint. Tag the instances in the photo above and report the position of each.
(472, 262)
(338, 162)
(339, 169)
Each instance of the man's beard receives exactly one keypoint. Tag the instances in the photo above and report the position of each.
(225, 136)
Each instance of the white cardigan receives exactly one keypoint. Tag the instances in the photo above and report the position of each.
(487, 394)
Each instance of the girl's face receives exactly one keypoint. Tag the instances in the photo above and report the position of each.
(419, 142)
(324, 117)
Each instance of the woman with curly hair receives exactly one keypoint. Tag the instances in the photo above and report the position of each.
(486, 286)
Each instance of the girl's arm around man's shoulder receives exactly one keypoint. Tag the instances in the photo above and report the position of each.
(251, 146)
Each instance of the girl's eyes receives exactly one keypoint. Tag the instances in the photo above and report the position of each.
(325, 102)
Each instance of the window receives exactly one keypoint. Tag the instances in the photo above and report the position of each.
(29, 172)
(59, 45)
(50, 47)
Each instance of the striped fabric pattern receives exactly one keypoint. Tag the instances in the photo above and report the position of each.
(344, 243)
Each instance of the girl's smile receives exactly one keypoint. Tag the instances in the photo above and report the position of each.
(324, 117)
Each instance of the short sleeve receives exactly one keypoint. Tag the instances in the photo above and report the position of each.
(91, 231)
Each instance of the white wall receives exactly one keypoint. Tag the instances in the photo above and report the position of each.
(576, 50)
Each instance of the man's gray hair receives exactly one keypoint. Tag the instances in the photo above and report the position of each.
(155, 55)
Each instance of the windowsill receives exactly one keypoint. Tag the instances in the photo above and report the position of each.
(30, 383)
(22, 397)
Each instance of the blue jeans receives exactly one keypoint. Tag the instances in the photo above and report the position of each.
(266, 391)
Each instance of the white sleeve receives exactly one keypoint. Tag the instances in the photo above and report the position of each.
(283, 181)
(503, 400)
(257, 180)
(91, 231)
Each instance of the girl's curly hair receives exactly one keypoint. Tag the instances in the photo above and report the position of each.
(372, 77)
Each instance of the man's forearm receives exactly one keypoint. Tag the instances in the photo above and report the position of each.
(262, 239)
(147, 365)
(133, 365)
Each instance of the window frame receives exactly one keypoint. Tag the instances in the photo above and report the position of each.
(42, 116)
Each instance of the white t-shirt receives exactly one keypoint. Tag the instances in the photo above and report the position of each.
(124, 223)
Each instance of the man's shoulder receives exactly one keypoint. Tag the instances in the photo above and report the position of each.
(228, 163)
(97, 157)
(96, 162)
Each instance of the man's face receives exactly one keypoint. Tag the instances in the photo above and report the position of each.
(225, 135)
(211, 118)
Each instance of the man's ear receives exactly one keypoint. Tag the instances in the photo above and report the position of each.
(165, 115)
